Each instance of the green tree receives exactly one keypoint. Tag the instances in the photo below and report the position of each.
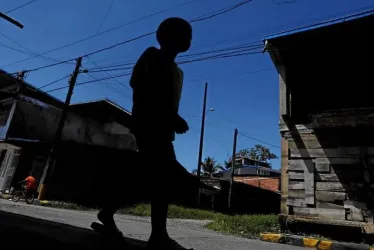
(258, 153)
(209, 167)
(261, 153)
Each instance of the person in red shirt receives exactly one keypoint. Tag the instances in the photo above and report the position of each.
(30, 185)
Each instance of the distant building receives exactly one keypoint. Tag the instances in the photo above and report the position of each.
(255, 173)
(28, 123)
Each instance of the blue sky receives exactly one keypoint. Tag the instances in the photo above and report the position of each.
(241, 98)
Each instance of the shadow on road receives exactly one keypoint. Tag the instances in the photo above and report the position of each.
(25, 232)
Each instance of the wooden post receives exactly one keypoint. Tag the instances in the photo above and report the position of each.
(201, 142)
(51, 158)
(284, 176)
(232, 167)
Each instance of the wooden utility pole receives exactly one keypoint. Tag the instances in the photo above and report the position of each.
(201, 142)
(232, 166)
(48, 169)
(11, 20)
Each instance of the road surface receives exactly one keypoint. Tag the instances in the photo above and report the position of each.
(23, 224)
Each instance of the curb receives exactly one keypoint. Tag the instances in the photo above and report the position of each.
(311, 242)
(5, 196)
(36, 202)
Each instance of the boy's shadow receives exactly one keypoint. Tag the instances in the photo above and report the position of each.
(24, 232)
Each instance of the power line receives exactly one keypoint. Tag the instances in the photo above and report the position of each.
(28, 52)
(244, 48)
(53, 82)
(83, 83)
(106, 15)
(127, 74)
(21, 6)
(258, 140)
(112, 88)
(232, 75)
(230, 8)
(103, 32)
(48, 66)
(220, 12)
(115, 79)
(151, 33)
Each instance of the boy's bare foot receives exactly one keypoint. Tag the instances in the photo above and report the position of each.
(109, 223)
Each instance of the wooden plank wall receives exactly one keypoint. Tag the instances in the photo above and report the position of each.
(328, 178)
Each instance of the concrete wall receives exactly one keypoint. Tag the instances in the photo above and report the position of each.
(36, 121)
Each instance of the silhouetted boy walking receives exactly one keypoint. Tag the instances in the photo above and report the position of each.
(157, 85)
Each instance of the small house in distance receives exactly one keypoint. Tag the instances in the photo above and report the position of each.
(327, 120)
(255, 173)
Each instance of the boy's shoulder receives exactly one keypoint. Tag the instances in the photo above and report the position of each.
(151, 53)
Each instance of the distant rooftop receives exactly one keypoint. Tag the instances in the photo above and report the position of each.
(326, 23)
(103, 110)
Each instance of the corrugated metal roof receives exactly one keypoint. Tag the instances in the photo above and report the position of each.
(321, 24)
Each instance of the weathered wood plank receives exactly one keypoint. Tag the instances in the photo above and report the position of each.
(347, 120)
(335, 214)
(355, 204)
(318, 177)
(342, 152)
(328, 205)
(309, 181)
(340, 161)
(298, 193)
(296, 185)
(301, 165)
(330, 186)
(355, 210)
(295, 202)
(301, 128)
(330, 196)
(295, 176)
(306, 144)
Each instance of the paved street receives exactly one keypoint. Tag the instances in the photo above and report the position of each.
(67, 229)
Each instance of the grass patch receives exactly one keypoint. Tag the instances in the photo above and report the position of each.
(175, 212)
(65, 205)
(242, 225)
(249, 226)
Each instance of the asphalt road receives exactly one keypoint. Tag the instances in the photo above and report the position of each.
(26, 225)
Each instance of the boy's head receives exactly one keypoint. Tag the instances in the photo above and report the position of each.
(175, 34)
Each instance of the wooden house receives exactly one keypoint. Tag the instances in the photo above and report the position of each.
(327, 119)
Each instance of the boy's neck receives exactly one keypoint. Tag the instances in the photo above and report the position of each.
(169, 55)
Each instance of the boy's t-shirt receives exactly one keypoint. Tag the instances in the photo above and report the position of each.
(157, 87)
(30, 183)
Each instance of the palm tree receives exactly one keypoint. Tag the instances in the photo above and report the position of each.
(209, 167)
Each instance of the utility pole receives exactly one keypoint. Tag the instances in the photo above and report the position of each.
(201, 142)
(232, 166)
(48, 169)
(11, 20)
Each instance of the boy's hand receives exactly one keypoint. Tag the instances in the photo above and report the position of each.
(181, 125)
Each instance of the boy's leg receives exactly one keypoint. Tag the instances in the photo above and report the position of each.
(159, 214)
(106, 214)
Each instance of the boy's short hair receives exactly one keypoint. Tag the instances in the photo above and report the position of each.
(172, 27)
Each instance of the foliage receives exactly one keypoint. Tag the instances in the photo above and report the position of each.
(209, 167)
(258, 153)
